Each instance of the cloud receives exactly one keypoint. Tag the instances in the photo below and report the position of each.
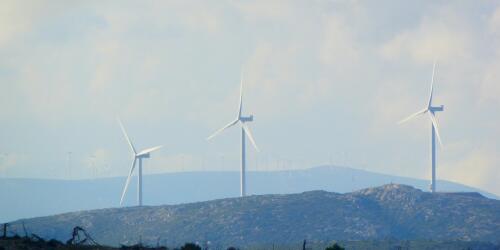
(441, 35)
(306, 65)
(489, 89)
(115, 49)
(474, 168)
(267, 11)
(272, 70)
(494, 22)
(19, 21)
(16, 20)
(490, 86)
(339, 46)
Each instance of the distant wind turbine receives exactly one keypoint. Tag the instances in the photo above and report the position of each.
(144, 154)
(245, 131)
(431, 110)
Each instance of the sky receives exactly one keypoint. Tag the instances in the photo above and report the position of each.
(326, 81)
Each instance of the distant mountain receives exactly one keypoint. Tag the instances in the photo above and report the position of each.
(34, 197)
(387, 212)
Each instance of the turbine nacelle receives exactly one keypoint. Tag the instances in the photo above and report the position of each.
(437, 109)
(246, 119)
(144, 156)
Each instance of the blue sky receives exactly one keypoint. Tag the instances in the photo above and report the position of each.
(327, 82)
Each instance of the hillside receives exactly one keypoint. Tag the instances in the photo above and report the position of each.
(386, 212)
(33, 198)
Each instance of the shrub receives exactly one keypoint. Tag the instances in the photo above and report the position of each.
(190, 246)
(335, 247)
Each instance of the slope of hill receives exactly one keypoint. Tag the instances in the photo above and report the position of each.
(386, 212)
(31, 197)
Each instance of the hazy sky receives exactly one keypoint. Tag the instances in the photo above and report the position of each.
(327, 82)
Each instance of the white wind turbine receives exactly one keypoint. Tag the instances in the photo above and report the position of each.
(144, 154)
(245, 131)
(431, 110)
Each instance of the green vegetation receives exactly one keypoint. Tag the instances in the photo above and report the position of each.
(190, 246)
(335, 247)
(34, 243)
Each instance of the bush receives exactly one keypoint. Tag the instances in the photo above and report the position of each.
(54, 243)
(335, 247)
(190, 246)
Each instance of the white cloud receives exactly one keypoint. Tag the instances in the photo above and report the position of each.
(339, 46)
(490, 85)
(474, 168)
(490, 82)
(442, 35)
(267, 11)
(16, 19)
(494, 22)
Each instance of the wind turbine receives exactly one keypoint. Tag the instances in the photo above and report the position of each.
(431, 111)
(144, 154)
(245, 131)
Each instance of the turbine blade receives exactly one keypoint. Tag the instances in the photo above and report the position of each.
(240, 108)
(432, 85)
(149, 150)
(222, 129)
(126, 137)
(128, 180)
(413, 116)
(435, 124)
(250, 136)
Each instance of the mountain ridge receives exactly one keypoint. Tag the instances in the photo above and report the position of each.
(34, 198)
(391, 211)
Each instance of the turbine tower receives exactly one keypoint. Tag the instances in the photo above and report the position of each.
(245, 131)
(431, 111)
(144, 154)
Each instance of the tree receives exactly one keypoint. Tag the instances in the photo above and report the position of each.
(190, 246)
(335, 247)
